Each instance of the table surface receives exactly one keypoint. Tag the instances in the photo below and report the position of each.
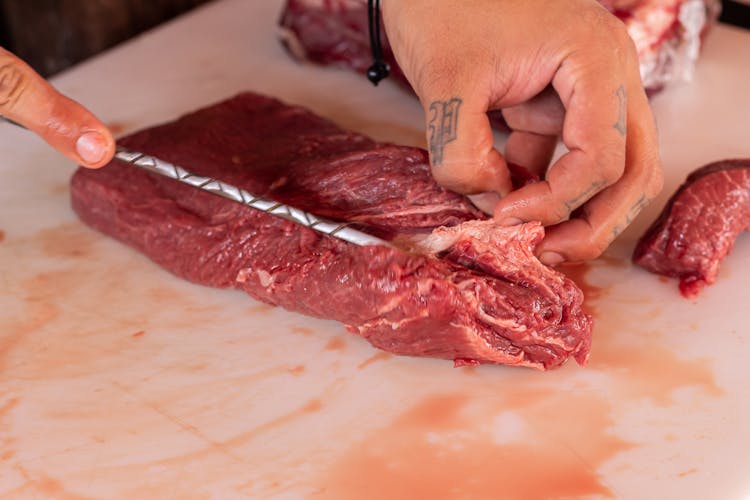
(118, 380)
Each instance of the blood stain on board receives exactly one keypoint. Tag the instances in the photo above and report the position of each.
(303, 330)
(8, 405)
(41, 299)
(591, 293)
(118, 127)
(503, 446)
(467, 369)
(379, 356)
(644, 366)
(81, 304)
(139, 333)
(297, 370)
(312, 406)
(2, 235)
(13, 331)
(640, 360)
(43, 486)
(7, 441)
(335, 344)
(60, 189)
(66, 240)
(687, 472)
(260, 308)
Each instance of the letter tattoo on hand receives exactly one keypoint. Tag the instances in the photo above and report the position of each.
(443, 127)
(621, 123)
(639, 205)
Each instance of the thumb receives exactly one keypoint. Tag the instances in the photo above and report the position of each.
(461, 144)
(28, 99)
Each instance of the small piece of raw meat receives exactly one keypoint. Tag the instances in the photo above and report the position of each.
(699, 225)
(487, 300)
(667, 34)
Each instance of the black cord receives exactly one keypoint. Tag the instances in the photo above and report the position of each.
(379, 69)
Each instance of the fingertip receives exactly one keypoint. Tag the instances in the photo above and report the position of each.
(551, 258)
(485, 202)
(94, 148)
(503, 180)
(509, 221)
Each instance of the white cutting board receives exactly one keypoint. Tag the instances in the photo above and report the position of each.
(118, 380)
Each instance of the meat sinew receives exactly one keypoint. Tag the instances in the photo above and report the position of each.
(699, 225)
(486, 300)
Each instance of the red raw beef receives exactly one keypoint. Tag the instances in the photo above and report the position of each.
(699, 225)
(486, 300)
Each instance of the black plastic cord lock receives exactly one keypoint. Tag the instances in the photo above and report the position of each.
(379, 69)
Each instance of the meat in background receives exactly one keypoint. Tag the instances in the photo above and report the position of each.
(698, 227)
(667, 34)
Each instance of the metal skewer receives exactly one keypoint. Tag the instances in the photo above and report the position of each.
(219, 188)
(338, 230)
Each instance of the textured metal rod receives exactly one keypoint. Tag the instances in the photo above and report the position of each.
(219, 188)
(336, 229)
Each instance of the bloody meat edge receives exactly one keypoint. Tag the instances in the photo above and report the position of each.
(486, 300)
(698, 226)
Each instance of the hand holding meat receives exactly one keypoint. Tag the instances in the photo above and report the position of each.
(26, 98)
(562, 68)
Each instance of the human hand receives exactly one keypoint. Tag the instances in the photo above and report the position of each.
(28, 99)
(556, 68)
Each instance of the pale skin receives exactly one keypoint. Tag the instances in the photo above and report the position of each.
(556, 68)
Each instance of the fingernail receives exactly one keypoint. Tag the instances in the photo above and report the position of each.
(551, 258)
(485, 201)
(91, 147)
(511, 221)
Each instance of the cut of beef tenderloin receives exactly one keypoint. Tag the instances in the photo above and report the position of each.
(487, 300)
(699, 225)
(667, 34)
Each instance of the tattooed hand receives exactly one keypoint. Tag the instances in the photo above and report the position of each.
(28, 99)
(560, 68)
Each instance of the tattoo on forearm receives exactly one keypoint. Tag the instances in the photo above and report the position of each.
(588, 193)
(621, 123)
(443, 127)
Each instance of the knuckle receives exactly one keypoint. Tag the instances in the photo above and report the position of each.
(437, 75)
(601, 20)
(594, 247)
(656, 182)
(612, 35)
(13, 82)
(453, 178)
(557, 213)
(611, 172)
(609, 164)
(618, 32)
(650, 177)
(624, 47)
